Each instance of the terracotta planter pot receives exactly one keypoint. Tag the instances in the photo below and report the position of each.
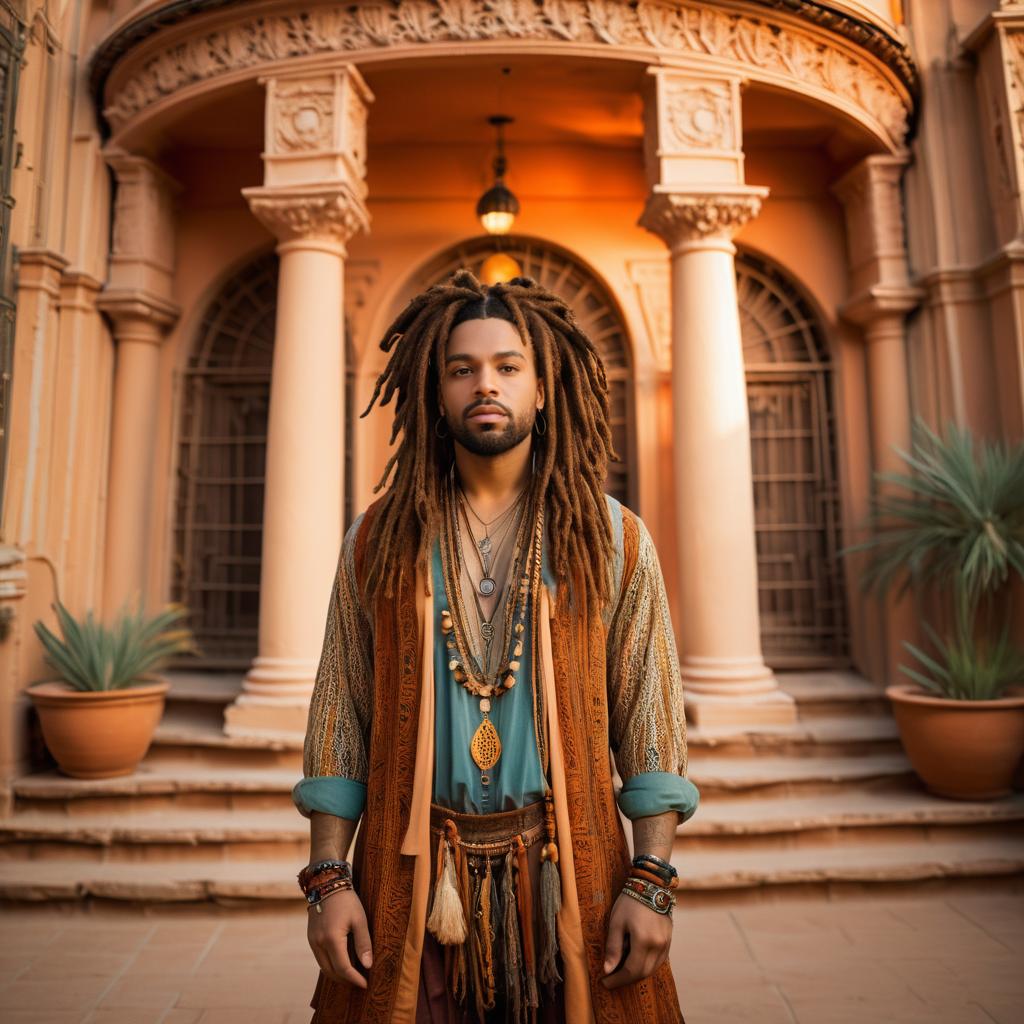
(964, 749)
(98, 734)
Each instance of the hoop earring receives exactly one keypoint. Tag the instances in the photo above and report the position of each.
(541, 418)
(437, 433)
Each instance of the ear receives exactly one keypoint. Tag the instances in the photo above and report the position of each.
(541, 397)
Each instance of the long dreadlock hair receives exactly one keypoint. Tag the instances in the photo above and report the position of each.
(571, 456)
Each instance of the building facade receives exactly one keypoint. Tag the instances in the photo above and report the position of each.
(790, 227)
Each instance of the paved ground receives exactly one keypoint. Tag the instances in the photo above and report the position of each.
(944, 959)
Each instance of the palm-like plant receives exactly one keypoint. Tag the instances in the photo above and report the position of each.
(92, 656)
(958, 523)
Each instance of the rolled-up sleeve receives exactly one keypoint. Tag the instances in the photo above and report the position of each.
(647, 724)
(334, 761)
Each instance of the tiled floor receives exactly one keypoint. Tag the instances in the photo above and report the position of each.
(952, 959)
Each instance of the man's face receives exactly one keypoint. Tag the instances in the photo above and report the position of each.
(490, 393)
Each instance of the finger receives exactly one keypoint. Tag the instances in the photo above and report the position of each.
(342, 963)
(613, 945)
(628, 973)
(361, 937)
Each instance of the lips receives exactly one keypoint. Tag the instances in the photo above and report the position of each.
(487, 414)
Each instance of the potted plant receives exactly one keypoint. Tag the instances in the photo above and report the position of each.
(99, 716)
(958, 528)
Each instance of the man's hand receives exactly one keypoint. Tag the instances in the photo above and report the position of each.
(328, 933)
(650, 936)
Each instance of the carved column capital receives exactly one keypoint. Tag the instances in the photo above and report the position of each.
(329, 216)
(688, 218)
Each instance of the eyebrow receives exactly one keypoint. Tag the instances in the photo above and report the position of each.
(464, 357)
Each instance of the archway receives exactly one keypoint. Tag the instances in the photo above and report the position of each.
(569, 278)
(793, 452)
(218, 536)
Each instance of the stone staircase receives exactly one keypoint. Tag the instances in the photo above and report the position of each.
(827, 803)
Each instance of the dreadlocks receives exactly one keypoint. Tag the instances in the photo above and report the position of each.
(572, 456)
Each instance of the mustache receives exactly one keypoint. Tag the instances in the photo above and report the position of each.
(480, 403)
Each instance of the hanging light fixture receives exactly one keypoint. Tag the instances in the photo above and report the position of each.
(497, 207)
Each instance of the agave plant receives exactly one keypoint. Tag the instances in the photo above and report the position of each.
(93, 656)
(958, 524)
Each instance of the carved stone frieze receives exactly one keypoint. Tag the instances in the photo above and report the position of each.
(680, 217)
(795, 54)
(332, 216)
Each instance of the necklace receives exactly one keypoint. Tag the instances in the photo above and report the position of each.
(485, 547)
(491, 556)
(471, 672)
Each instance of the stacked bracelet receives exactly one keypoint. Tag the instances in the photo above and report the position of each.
(324, 878)
(657, 897)
(651, 881)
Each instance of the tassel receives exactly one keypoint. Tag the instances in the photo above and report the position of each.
(460, 970)
(447, 921)
(550, 898)
(486, 919)
(524, 893)
(476, 980)
(513, 956)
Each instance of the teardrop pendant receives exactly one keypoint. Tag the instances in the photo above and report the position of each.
(485, 746)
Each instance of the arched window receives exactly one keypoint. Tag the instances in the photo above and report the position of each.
(560, 272)
(222, 447)
(793, 452)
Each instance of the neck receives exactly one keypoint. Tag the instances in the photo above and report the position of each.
(494, 479)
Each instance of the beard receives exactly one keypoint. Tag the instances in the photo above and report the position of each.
(493, 438)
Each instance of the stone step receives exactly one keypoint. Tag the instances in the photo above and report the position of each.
(845, 736)
(185, 834)
(847, 818)
(743, 875)
(725, 778)
(197, 735)
(830, 694)
(204, 687)
(159, 785)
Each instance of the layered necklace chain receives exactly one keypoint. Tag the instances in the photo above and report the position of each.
(474, 665)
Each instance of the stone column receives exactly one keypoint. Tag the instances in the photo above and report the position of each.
(881, 298)
(697, 204)
(313, 201)
(137, 300)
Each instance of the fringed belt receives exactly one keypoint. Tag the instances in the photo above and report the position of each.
(470, 915)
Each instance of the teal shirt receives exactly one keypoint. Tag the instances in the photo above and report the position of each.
(517, 779)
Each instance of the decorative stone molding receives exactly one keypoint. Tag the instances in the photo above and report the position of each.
(876, 247)
(679, 218)
(332, 215)
(142, 242)
(871, 78)
(651, 279)
(316, 127)
(692, 129)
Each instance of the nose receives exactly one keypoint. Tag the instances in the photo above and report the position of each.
(487, 382)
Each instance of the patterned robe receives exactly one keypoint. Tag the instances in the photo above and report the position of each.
(610, 680)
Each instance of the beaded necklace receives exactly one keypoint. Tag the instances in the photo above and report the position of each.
(467, 669)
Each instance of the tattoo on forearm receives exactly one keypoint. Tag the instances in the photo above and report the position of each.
(655, 834)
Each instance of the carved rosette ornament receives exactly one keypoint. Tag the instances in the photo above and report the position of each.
(292, 215)
(681, 218)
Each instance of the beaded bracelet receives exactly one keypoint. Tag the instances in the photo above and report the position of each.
(649, 862)
(656, 897)
(317, 896)
(312, 874)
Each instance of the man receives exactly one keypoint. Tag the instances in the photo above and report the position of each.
(497, 624)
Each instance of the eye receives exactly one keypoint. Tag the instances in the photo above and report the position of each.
(460, 371)
(510, 366)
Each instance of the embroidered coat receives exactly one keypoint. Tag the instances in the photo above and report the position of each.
(610, 680)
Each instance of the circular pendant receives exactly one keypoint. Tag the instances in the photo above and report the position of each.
(487, 586)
